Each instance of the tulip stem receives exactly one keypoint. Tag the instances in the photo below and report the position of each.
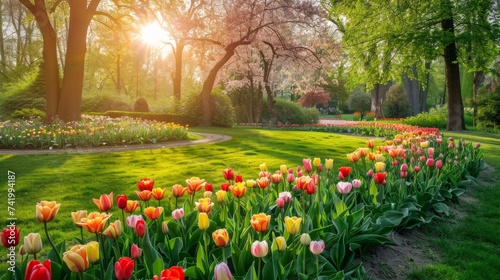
(52, 243)
(260, 266)
(317, 267)
(34, 256)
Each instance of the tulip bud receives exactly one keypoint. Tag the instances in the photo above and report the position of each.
(222, 272)
(317, 247)
(477, 146)
(283, 169)
(221, 196)
(416, 169)
(369, 173)
(280, 202)
(207, 194)
(225, 187)
(177, 214)
(305, 239)
(140, 228)
(209, 187)
(259, 249)
(121, 201)
(92, 251)
(281, 242)
(33, 243)
(22, 252)
(238, 179)
(164, 227)
(135, 251)
(404, 167)
(203, 221)
(439, 164)
(430, 162)
(356, 183)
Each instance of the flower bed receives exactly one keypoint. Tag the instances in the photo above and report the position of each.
(91, 131)
(287, 223)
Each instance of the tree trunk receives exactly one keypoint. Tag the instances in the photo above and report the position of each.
(455, 105)
(250, 98)
(3, 61)
(425, 91)
(412, 88)
(377, 95)
(177, 77)
(51, 67)
(478, 81)
(209, 82)
(72, 86)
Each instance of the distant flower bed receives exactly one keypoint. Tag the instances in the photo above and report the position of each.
(90, 131)
(377, 129)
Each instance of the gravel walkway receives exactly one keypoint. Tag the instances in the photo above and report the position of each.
(208, 138)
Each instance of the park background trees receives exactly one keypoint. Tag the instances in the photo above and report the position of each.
(254, 51)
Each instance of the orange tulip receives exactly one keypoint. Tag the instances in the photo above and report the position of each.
(239, 189)
(195, 184)
(353, 157)
(158, 193)
(131, 206)
(204, 205)
(46, 211)
(221, 237)
(362, 152)
(178, 190)
(263, 182)
(153, 213)
(260, 222)
(144, 195)
(76, 258)
(105, 202)
(94, 222)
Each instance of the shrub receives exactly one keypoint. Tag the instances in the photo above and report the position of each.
(311, 115)
(396, 103)
(103, 103)
(370, 116)
(359, 101)
(27, 113)
(436, 117)
(223, 113)
(141, 105)
(287, 112)
(488, 111)
(27, 93)
(356, 116)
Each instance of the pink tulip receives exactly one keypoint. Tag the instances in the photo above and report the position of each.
(317, 247)
(280, 202)
(259, 249)
(439, 164)
(131, 220)
(404, 167)
(430, 162)
(369, 173)
(177, 214)
(307, 165)
(222, 272)
(356, 183)
(416, 169)
(135, 251)
(344, 187)
(287, 196)
(290, 178)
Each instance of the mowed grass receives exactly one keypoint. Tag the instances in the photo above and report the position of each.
(470, 246)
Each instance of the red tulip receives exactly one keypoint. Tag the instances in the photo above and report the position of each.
(140, 228)
(172, 273)
(379, 177)
(121, 201)
(228, 174)
(345, 170)
(209, 187)
(124, 268)
(238, 179)
(10, 236)
(146, 184)
(38, 271)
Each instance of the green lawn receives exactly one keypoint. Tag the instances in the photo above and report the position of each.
(469, 248)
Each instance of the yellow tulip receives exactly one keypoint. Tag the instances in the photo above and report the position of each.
(379, 167)
(283, 169)
(92, 251)
(263, 167)
(281, 242)
(379, 158)
(221, 196)
(305, 239)
(221, 237)
(316, 162)
(114, 230)
(32, 243)
(329, 164)
(203, 221)
(292, 224)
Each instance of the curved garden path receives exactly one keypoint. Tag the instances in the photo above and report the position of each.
(208, 138)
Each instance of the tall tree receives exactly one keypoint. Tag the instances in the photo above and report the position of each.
(386, 38)
(65, 101)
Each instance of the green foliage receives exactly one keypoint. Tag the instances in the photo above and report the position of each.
(27, 113)
(311, 115)
(141, 105)
(170, 118)
(287, 112)
(359, 101)
(488, 111)
(103, 103)
(396, 103)
(26, 93)
(436, 117)
(223, 113)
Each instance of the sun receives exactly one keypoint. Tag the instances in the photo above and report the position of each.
(154, 35)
